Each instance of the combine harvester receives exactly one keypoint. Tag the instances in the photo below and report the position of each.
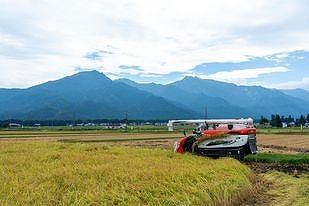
(218, 137)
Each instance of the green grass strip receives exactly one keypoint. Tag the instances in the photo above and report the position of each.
(278, 158)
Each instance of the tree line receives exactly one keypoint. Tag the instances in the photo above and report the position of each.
(6, 123)
(277, 121)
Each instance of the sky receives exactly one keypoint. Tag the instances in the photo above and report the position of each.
(246, 42)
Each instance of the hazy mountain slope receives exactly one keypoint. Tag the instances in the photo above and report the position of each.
(297, 93)
(259, 100)
(215, 106)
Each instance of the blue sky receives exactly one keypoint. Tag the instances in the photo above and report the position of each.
(247, 42)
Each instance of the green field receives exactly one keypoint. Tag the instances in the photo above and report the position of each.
(141, 129)
(90, 129)
(293, 130)
(49, 173)
(134, 129)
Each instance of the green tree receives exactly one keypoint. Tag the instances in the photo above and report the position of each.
(272, 120)
(276, 120)
(302, 120)
(263, 120)
(290, 119)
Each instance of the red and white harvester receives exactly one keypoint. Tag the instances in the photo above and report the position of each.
(218, 137)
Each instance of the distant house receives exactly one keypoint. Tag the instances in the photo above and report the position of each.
(264, 125)
(15, 125)
(89, 124)
(123, 126)
(113, 125)
(37, 125)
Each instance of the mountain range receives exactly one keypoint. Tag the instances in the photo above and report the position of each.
(92, 95)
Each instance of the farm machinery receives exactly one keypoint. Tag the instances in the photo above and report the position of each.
(217, 137)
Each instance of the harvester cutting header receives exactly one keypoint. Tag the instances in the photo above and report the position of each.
(218, 137)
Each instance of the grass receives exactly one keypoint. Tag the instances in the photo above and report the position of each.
(287, 190)
(53, 173)
(279, 158)
(113, 139)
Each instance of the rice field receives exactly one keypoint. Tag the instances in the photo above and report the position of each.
(286, 190)
(53, 173)
(100, 167)
(275, 188)
(284, 141)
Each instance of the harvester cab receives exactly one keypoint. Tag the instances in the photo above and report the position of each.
(218, 137)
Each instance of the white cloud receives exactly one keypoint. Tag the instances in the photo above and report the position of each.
(303, 83)
(243, 76)
(20, 73)
(44, 40)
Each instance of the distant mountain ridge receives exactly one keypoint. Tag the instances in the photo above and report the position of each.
(92, 95)
(86, 95)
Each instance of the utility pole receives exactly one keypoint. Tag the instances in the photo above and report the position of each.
(126, 121)
(205, 112)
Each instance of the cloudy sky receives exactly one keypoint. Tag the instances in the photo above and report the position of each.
(263, 42)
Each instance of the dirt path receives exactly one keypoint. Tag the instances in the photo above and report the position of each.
(283, 143)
